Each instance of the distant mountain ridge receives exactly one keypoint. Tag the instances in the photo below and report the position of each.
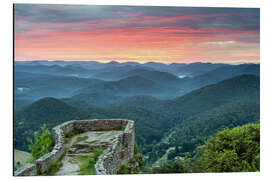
(33, 81)
(188, 69)
(245, 87)
(174, 106)
(33, 86)
(147, 111)
(133, 85)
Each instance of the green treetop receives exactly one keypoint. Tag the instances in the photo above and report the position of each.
(235, 150)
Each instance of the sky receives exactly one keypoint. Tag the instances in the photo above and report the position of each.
(136, 33)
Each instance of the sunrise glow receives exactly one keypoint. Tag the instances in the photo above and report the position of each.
(133, 33)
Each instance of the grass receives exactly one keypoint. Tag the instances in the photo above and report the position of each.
(136, 162)
(124, 127)
(114, 133)
(87, 162)
(70, 134)
(56, 165)
(81, 138)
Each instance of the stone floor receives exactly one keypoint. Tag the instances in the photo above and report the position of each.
(88, 141)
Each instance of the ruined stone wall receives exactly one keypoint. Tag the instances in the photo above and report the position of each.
(118, 153)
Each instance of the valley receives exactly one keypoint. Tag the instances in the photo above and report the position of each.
(173, 115)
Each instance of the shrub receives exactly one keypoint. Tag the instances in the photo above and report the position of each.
(235, 150)
(42, 144)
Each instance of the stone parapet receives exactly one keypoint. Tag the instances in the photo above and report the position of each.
(118, 153)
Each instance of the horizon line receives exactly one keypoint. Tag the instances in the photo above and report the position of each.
(122, 62)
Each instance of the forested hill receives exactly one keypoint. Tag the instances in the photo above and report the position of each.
(230, 103)
(49, 111)
(196, 130)
(32, 86)
(121, 82)
(243, 87)
(133, 85)
(154, 118)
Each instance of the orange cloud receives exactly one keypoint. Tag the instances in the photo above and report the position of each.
(137, 37)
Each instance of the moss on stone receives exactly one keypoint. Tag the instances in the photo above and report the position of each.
(80, 138)
(56, 165)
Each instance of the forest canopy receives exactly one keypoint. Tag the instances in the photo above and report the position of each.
(235, 150)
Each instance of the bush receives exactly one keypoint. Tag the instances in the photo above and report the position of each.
(174, 167)
(235, 150)
(42, 144)
(124, 170)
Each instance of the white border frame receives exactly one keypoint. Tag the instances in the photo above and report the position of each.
(7, 83)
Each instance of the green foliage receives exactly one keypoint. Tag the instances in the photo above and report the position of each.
(192, 117)
(130, 86)
(80, 138)
(136, 149)
(42, 144)
(75, 131)
(124, 170)
(185, 122)
(135, 165)
(87, 162)
(55, 167)
(173, 153)
(235, 150)
(49, 111)
(123, 128)
(150, 126)
(69, 134)
(196, 130)
(45, 85)
(174, 167)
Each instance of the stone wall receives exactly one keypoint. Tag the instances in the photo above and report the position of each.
(120, 151)
(117, 154)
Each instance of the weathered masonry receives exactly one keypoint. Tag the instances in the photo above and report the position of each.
(118, 152)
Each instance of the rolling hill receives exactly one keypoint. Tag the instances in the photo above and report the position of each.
(240, 87)
(55, 69)
(198, 68)
(134, 85)
(228, 103)
(121, 72)
(195, 130)
(219, 74)
(169, 112)
(49, 111)
(96, 99)
(32, 86)
(203, 112)
(141, 101)
(244, 87)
